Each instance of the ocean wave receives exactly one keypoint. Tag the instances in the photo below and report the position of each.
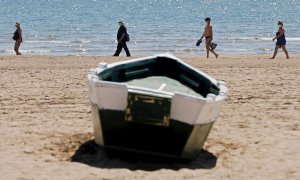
(249, 38)
(83, 41)
(293, 38)
(46, 41)
(26, 51)
(260, 38)
(36, 51)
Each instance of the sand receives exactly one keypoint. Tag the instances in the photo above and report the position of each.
(46, 127)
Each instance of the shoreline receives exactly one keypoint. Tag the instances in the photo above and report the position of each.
(211, 56)
(46, 118)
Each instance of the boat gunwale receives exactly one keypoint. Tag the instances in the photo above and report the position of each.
(104, 70)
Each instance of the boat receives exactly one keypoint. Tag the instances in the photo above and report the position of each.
(157, 106)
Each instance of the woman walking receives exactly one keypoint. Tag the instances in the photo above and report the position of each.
(18, 38)
(281, 41)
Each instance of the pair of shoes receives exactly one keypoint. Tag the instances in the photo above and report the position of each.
(213, 46)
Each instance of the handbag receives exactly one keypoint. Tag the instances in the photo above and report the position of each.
(127, 37)
(16, 36)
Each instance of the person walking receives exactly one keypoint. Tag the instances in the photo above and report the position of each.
(208, 34)
(121, 37)
(281, 41)
(18, 38)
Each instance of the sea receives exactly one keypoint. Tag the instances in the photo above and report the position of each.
(89, 27)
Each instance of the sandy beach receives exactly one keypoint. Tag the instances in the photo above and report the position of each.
(47, 133)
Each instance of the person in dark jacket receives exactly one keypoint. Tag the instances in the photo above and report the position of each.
(18, 38)
(121, 37)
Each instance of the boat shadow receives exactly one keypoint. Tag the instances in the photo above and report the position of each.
(94, 155)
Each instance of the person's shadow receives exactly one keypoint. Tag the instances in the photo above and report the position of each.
(93, 155)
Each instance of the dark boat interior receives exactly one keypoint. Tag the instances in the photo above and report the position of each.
(161, 66)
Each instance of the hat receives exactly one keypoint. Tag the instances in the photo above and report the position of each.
(121, 21)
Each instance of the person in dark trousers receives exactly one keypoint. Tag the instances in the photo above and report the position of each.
(18, 38)
(281, 41)
(121, 37)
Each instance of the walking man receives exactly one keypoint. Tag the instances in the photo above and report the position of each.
(208, 34)
(121, 37)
